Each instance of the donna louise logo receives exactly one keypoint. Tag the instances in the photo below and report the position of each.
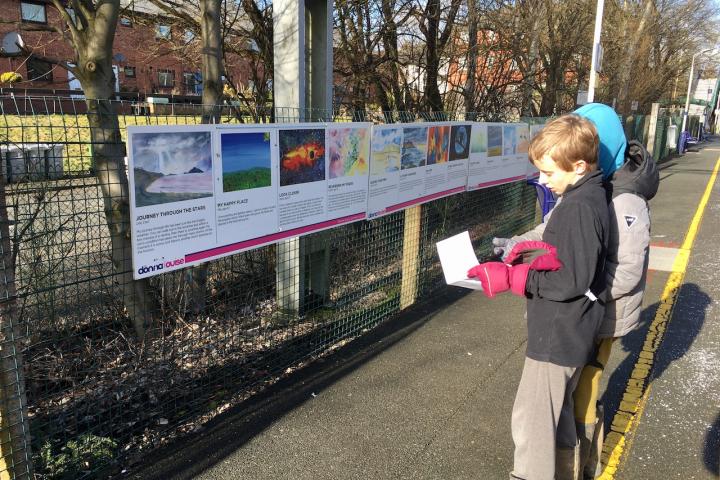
(160, 266)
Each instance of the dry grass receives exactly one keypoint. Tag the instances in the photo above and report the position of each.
(72, 131)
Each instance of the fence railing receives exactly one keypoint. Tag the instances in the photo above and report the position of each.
(92, 398)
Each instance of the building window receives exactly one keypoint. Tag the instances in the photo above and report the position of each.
(166, 78)
(190, 80)
(39, 70)
(126, 22)
(129, 72)
(188, 36)
(33, 12)
(162, 31)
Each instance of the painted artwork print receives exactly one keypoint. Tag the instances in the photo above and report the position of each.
(509, 140)
(171, 167)
(349, 151)
(494, 140)
(479, 141)
(523, 140)
(414, 146)
(302, 156)
(459, 142)
(386, 145)
(245, 160)
(438, 140)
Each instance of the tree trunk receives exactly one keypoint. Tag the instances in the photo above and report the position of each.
(212, 68)
(531, 76)
(109, 165)
(553, 81)
(93, 45)
(630, 57)
(433, 99)
(471, 60)
(390, 41)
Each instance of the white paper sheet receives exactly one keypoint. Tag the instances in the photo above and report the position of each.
(457, 257)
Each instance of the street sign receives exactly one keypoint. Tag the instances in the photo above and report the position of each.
(582, 97)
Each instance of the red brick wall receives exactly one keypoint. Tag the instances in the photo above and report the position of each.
(137, 44)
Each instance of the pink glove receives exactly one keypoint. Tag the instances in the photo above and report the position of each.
(544, 255)
(493, 276)
(543, 262)
(518, 277)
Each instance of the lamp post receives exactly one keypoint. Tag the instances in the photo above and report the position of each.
(596, 50)
(690, 80)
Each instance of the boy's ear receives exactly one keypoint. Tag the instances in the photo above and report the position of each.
(581, 167)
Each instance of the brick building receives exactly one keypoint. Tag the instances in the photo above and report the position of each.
(150, 54)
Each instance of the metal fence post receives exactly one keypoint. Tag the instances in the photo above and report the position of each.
(653, 128)
(411, 250)
(14, 426)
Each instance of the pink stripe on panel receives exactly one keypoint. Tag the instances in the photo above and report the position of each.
(255, 242)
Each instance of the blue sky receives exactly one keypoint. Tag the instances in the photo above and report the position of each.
(243, 151)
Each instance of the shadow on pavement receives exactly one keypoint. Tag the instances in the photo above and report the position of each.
(687, 320)
(193, 454)
(711, 453)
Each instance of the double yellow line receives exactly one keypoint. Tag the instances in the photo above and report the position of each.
(638, 386)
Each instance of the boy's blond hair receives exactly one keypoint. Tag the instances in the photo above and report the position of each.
(567, 139)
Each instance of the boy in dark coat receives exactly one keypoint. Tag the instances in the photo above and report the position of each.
(564, 289)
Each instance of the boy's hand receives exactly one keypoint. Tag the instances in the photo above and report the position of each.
(502, 247)
(493, 276)
(545, 259)
(544, 256)
(518, 278)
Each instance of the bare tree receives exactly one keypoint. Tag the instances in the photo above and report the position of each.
(366, 52)
(436, 24)
(90, 32)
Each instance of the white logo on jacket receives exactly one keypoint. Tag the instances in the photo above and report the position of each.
(630, 220)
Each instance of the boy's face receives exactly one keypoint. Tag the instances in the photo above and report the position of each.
(557, 179)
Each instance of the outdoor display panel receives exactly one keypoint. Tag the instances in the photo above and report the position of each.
(203, 192)
(532, 171)
(415, 163)
(498, 154)
(199, 192)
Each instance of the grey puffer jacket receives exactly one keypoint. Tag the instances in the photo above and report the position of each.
(630, 188)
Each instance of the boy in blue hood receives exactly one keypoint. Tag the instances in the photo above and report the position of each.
(631, 180)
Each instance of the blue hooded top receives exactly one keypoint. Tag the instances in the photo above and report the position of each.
(611, 134)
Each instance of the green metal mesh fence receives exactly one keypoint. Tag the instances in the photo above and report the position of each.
(92, 396)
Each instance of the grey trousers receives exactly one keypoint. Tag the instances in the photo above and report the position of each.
(542, 418)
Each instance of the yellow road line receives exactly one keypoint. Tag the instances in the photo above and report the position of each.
(637, 390)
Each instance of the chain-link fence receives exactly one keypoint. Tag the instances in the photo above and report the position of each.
(78, 383)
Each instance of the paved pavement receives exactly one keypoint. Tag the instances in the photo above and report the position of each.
(429, 395)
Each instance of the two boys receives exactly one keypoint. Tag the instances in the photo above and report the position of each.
(564, 290)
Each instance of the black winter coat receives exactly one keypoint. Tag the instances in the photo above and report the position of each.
(563, 321)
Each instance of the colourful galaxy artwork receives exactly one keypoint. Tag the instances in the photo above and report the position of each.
(302, 156)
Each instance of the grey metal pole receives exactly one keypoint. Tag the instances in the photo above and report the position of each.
(687, 97)
(690, 82)
(595, 50)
